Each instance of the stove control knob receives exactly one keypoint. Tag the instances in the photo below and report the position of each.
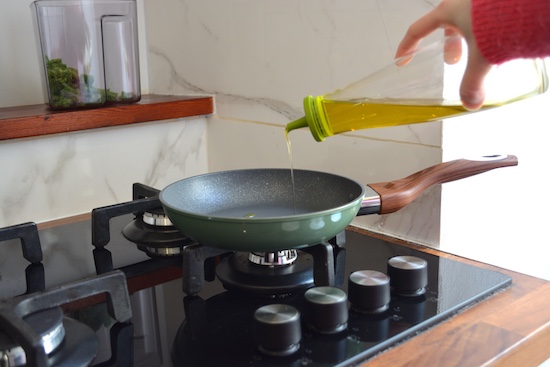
(326, 309)
(277, 329)
(408, 274)
(369, 291)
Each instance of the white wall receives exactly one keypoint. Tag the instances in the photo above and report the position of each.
(509, 218)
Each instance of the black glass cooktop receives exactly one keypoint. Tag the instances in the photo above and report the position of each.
(219, 329)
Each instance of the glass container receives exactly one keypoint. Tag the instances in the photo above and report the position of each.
(90, 52)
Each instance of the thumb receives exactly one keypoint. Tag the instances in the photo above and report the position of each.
(472, 92)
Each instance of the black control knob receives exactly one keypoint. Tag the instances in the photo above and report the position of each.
(277, 329)
(408, 274)
(369, 291)
(326, 309)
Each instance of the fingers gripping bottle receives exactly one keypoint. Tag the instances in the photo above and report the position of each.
(415, 88)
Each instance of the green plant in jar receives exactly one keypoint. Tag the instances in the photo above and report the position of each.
(63, 83)
(68, 89)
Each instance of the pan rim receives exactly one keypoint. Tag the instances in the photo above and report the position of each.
(304, 216)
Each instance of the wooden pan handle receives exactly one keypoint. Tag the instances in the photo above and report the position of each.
(395, 195)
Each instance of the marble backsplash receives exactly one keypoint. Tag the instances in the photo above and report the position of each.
(261, 58)
(67, 174)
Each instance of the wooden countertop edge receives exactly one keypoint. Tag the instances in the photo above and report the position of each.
(510, 328)
(62, 221)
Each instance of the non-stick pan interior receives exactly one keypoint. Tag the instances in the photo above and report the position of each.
(260, 193)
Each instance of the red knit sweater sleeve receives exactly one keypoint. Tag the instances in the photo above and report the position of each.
(510, 29)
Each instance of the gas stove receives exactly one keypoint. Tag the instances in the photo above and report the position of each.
(373, 295)
(333, 304)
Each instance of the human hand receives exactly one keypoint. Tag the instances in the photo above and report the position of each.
(455, 17)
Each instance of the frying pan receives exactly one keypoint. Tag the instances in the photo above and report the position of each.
(261, 209)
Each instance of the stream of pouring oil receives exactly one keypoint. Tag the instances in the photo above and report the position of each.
(289, 148)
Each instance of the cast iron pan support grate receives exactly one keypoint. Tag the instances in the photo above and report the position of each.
(145, 199)
(32, 252)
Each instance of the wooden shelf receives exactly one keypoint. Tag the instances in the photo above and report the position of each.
(38, 120)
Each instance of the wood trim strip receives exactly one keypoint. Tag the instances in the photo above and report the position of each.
(38, 120)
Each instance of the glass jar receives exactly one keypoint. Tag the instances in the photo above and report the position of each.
(90, 52)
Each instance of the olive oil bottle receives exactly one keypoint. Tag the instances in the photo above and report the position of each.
(344, 115)
(421, 88)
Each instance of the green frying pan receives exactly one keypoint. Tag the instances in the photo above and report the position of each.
(261, 209)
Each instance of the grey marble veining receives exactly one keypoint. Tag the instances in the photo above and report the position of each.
(64, 175)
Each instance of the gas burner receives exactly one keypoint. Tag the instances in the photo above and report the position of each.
(34, 330)
(69, 343)
(238, 272)
(279, 258)
(153, 232)
(274, 274)
(48, 324)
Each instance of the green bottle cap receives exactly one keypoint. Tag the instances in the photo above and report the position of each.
(315, 119)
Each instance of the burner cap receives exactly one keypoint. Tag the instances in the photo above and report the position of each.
(279, 258)
(162, 251)
(159, 219)
(155, 235)
(237, 272)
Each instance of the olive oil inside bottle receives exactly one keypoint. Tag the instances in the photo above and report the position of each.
(344, 116)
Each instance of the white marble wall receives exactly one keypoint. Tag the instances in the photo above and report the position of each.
(63, 175)
(261, 58)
